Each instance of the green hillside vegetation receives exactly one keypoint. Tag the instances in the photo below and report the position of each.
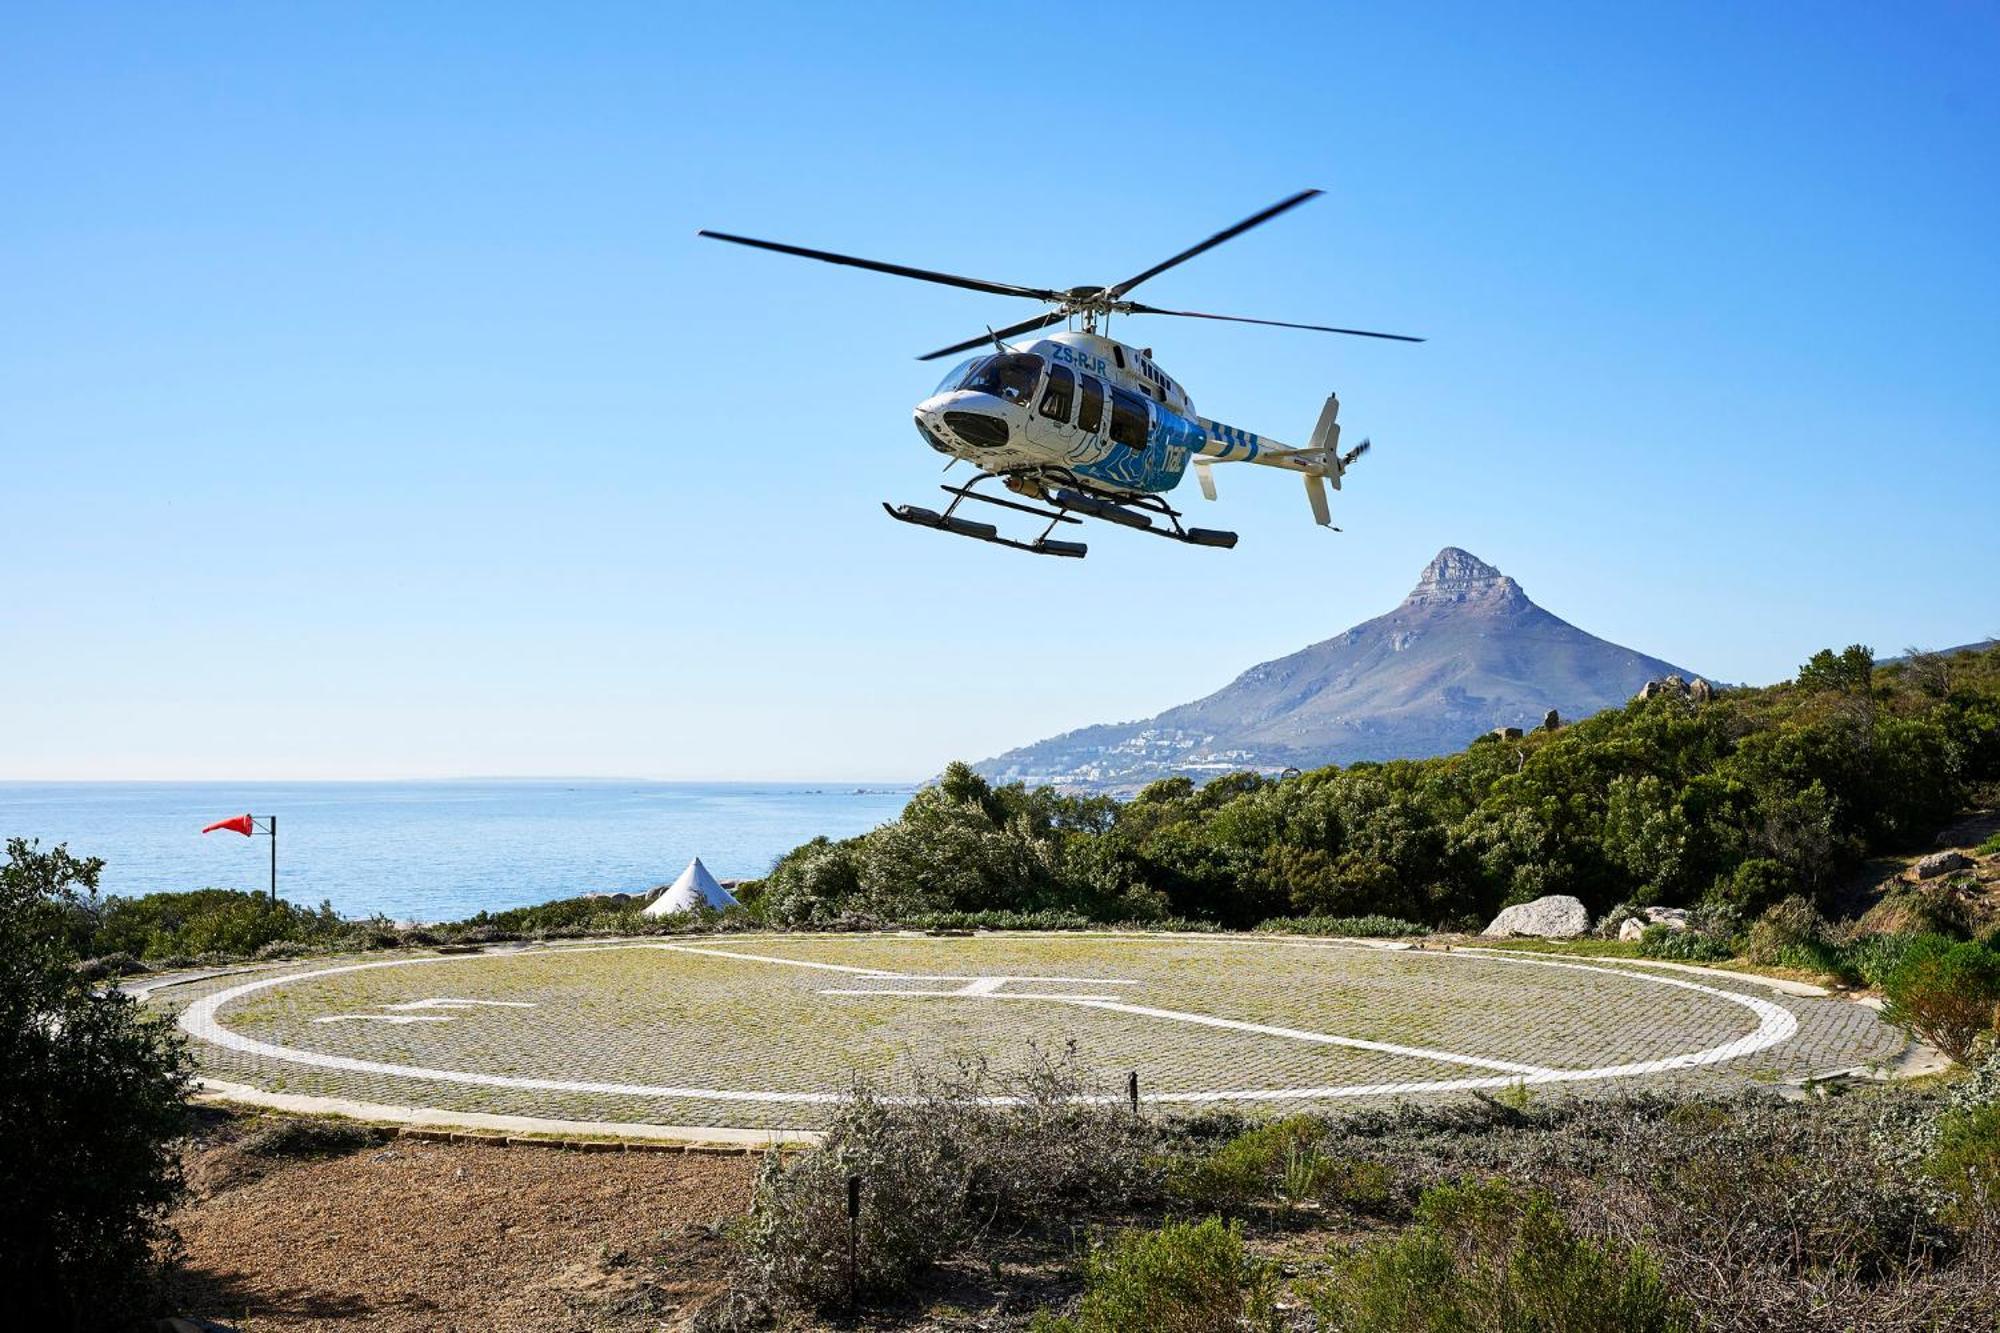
(1733, 805)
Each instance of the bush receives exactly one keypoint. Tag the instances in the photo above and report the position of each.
(1285, 1161)
(208, 921)
(93, 1097)
(935, 1168)
(1871, 958)
(310, 1138)
(1922, 909)
(111, 965)
(1187, 1277)
(1688, 946)
(1945, 992)
(1247, 1169)
(1966, 1162)
(1483, 1255)
(1049, 920)
(1789, 934)
(1755, 886)
(1352, 927)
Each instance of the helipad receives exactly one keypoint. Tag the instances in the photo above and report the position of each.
(767, 1031)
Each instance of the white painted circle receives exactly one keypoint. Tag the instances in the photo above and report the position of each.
(1775, 1024)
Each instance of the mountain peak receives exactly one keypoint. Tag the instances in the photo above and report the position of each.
(1460, 576)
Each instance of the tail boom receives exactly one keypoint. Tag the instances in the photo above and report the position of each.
(1319, 462)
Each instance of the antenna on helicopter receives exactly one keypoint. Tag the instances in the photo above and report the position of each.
(1092, 303)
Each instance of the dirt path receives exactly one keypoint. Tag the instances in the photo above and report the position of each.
(416, 1235)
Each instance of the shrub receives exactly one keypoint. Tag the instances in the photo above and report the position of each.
(1360, 1186)
(92, 1100)
(1002, 920)
(965, 1151)
(208, 921)
(1787, 934)
(1352, 927)
(1945, 992)
(1187, 1277)
(1923, 909)
(109, 966)
(1248, 1168)
(1872, 958)
(913, 1213)
(1755, 885)
(309, 1138)
(1966, 1162)
(1483, 1255)
(1690, 946)
(1285, 1161)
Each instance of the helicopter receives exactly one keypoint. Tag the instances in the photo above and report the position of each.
(1079, 425)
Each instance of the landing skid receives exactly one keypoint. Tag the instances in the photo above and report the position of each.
(1072, 496)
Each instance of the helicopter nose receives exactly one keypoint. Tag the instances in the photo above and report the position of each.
(964, 420)
(929, 416)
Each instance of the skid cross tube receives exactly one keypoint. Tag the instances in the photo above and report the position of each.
(986, 532)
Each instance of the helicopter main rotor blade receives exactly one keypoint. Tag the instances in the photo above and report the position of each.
(1137, 309)
(1228, 234)
(1025, 326)
(898, 270)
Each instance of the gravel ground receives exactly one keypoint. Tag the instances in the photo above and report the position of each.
(417, 1235)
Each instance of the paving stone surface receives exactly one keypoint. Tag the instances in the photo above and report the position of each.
(765, 1031)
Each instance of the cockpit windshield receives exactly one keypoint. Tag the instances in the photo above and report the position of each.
(1012, 376)
(956, 375)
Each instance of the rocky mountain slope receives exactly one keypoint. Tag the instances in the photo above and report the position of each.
(1464, 653)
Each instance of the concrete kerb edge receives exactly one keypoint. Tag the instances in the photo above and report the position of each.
(514, 1130)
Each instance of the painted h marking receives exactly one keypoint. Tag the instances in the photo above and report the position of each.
(993, 988)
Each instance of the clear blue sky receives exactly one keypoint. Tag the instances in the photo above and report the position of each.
(368, 406)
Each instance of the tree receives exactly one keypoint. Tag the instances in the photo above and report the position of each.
(93, 1099)
(1851, 671)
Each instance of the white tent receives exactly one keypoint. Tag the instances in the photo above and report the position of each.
(696, 888)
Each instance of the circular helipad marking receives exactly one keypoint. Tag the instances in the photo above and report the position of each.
(1775, 1024)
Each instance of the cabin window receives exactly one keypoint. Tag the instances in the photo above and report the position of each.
(1128, 419)
(1060, 395)
(1118, 355)
(1012, 376)
(1092, 415)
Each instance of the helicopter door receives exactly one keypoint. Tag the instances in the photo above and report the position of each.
(1057, 408)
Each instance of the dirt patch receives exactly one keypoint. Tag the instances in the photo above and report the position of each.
(417, 1235)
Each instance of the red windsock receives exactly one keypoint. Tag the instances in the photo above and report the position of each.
(234, 824)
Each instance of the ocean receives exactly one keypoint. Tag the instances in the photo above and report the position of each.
(437, 851)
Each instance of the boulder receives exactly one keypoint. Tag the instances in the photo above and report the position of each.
(1505, 733)
(1551, 720)
(1556, 917)
(1663, 687)
(1673, 918)
(1942, 863)
(1698, 690)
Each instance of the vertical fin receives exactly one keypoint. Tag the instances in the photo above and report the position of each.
(1316, 493)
